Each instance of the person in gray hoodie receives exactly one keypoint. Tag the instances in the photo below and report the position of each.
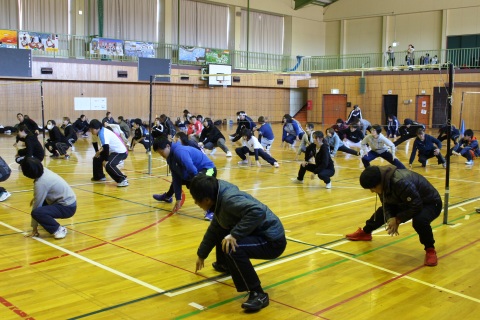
(242, 228)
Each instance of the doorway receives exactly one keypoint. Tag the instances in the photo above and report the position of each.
(334, 107)
(422, 107)
(440, 106)
(390, 106)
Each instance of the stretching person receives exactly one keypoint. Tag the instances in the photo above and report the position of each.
(211, 137)
(292, 131)
(243, 122)
(81, 125)
(242, 228)
(251, 146)
(33, 147)
(322, 167)
(355, 114)
(53, 199)
(380, 147)
(141, 135)
(467, 147)
(265, 134)
(454, 133)
(185, 163)
(408, 130)
(307, 139)
(69, 132)
(57, 144)
(112, 150)
(335, 143)
(353, 136)
(428, 147)
(392, 126)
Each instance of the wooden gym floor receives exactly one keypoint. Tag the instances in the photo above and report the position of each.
(126, 256)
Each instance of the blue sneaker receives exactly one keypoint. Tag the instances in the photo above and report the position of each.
(208, 215)
(162, 197)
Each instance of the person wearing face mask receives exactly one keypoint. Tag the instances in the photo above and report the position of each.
(33, 147)
(57, 144)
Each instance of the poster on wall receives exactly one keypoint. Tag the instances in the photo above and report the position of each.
(217, 56)
(108, 47)
(139, 49)
(192, 54)
(8, 39)
(38, 41)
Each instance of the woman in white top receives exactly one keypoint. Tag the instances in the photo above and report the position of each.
(380, 147)
(251, 146)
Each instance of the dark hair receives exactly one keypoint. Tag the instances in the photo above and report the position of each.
(24, 128)
(95, 124)
(330, 130)
(468, 132)
(163, 117)
(377, 128)
(161, 143)
(66, 118)
(81, 116)
(203, 187)
(287, 117)
(186, 111)
(120, 118)
(310, 125)
(407, 121)
(247, 133)
(138, 121)
(209, 122)
(108, 113)
(19, 114)
(53, 122)
(183, 138)
(261, 119)
(318, 134)
(355, 106)
(31, 167)
(370, 177)
(339, 120)
(420, 131)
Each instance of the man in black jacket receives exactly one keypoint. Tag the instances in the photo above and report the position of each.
(404, 195)
(211, 137)
(408, 130)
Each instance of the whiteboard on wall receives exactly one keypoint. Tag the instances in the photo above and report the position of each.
(85, 103)
(81, 103)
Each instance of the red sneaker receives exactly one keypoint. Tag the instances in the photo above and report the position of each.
(359, 235)
(430, 257)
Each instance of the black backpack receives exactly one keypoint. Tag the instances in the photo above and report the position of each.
(5, 170)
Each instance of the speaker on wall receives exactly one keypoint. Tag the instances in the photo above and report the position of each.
(46, 70)
(184, 77)
(236, 79)
(279, 81)
(122, 74)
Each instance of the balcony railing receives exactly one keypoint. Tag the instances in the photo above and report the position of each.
(74, 46)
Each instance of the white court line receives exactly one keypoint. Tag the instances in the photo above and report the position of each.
(461, 208)
(101, 266)
(197, 306)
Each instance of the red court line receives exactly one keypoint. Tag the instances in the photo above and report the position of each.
(14, 309)
(390, 280)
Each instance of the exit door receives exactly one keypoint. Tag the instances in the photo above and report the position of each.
(423, 109)
(334, 107)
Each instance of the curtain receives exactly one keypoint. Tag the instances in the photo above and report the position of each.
(49, 16)
(266, 33)
(8, 14)
(201, 24)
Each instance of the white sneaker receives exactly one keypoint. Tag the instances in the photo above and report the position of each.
(213, 151)
(328, 185)
(295, 180)
(276, 165)
(444, 164)
(243, 162)
(4, 196)
(124, 183)
(229, 154)
(362, 153)
(60, 233)
(470, 162)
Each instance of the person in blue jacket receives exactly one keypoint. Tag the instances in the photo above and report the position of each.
(185, 163)
(292, 131)
(428, 147)
(242, 228)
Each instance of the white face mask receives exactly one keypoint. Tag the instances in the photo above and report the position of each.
(50, 126)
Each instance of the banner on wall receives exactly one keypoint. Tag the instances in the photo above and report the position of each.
(38, 41)
(8, 39)
(217, 56)
(108, 47)
(193, 54)
(139, 49)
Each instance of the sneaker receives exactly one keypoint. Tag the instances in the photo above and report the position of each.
(73, 149)
(60, 233)
(101, 179)
(361, 153)
(328, 185)
(208, 215)
(4, 196)
(430, 257)
(359, 235)
(220, 267)
(469, 163)
(444, 164)
(163, 197)
(124, 183)
(84, 136)
(256, 301)
(214, 150)
(295, 180)
(67, 157)
(229, 154)
(243, 162)
(455, 153)
(276, 165)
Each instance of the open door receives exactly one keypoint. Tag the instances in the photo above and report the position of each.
(423, 109)
(390, 106)
(334, 107)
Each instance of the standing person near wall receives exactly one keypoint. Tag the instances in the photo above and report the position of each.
(390, 57)
(355, 114)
